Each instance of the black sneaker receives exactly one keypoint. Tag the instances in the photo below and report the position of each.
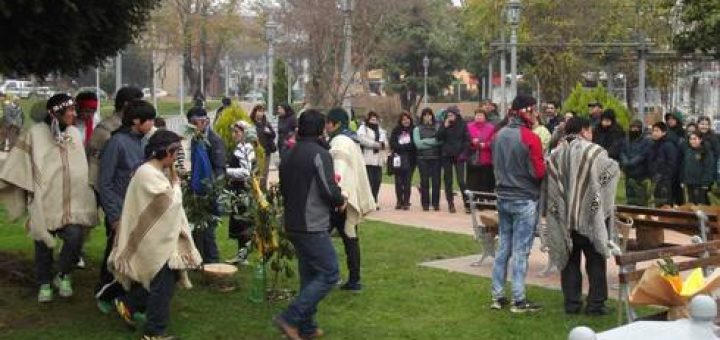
(597, 311)
(498, 304)
(524, 306)
(352, 287)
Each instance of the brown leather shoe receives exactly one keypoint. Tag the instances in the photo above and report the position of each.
(317, 334)
(288, 330)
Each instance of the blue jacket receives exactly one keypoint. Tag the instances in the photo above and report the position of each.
(118, 160)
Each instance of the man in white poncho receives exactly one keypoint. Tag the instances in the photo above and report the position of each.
(581, 184)
(353, 180)
(46, 174)
(154, 244)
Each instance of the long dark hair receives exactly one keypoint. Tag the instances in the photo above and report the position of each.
(289, 112)
(158, 144)
(400, 119)
(427, 111)
(254, 112)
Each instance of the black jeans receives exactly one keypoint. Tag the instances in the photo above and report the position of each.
(697, 195)
(571, 276)
(107, 288)
(155, 302)
(206, 244)
(351, 245)
(403, 186)
(318, 268)
(429, 175)
(448, 163)
(72, 237)
(480, 178)
(374, 173)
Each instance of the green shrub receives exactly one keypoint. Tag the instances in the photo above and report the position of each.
(580, 97)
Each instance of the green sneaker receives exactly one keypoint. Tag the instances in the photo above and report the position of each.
(105, 307)
(139, 317)
(64, 286)
(45, 294)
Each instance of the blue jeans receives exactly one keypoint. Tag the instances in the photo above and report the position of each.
(516, 224)
(318, 267)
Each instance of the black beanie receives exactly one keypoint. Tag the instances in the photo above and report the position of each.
(608, 114)
(196, 112)
(522, 101)
(338, 115)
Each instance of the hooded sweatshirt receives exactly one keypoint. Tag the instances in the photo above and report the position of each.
(482, 132)
(610, 138)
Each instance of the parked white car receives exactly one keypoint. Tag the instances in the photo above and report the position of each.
(158, 92)
(20, 88)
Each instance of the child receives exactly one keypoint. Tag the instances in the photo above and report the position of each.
(240, 168)
(698, 170)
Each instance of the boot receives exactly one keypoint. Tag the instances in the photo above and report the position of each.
(352, 250)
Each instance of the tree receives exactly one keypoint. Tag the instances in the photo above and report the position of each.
(700, 29)
(48, 36)
(580, 97)
(202, 31)
(280, 85)
(422, 30)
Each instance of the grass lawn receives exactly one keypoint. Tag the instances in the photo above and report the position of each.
(401, 301)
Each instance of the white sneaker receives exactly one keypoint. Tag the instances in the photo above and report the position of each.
(80, 263)
(240, 258)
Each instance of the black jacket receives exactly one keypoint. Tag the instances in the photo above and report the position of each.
(118, 161)
(216, 152)
(633, 157)
(407, 151)
(286, 129)
(698, 167)
(663, 160)
(611, 139)
(308, 187)
(455, 139)
(267, 140)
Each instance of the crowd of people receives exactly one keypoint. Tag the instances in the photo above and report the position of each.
(69, 166)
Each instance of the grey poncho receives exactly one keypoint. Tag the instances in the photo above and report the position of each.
(581, 184)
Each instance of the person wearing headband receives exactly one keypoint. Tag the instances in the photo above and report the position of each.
(49, 164)
(121, 156)
(207, 164)
(154, 246)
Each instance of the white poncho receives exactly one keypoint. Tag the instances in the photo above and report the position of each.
(349, 164)
(153, 231)
(48, 179)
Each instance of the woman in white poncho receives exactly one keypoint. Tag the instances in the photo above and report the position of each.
(154, 246)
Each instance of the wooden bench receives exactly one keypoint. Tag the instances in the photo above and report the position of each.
(703, 254)
(650, 224)
(483, 213)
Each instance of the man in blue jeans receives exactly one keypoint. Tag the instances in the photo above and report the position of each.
(519, 170)
(310, 193)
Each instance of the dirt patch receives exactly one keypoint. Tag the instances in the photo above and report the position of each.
(16, 269)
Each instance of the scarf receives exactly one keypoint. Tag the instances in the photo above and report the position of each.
(581, 184)
(376, 129)
(153, 231)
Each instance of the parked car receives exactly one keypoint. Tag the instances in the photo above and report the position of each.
(254, 97)
(158, 92)
(20, 88)
(102, 95)
(42, 92)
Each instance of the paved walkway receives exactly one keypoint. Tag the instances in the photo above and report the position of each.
(461, 223)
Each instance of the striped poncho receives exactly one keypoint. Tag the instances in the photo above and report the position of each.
(581, 184)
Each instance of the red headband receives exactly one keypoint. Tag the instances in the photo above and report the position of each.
(88, 104)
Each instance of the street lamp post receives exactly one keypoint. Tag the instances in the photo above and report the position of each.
(426, 64)
(270, 32)
(514, 9)
(227, 76)
(347, 7)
